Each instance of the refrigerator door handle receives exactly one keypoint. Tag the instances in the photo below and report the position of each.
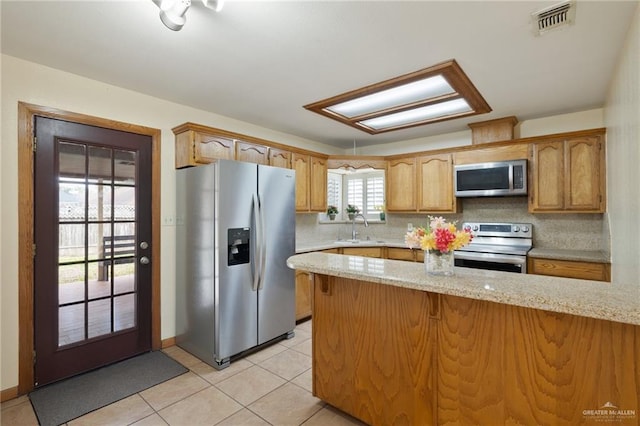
(258, 246)
(263, 246)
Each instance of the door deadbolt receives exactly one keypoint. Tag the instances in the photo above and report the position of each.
(144, 245)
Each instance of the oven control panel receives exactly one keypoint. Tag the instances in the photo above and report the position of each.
(521, 230)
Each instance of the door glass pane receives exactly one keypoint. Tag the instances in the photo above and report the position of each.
(123, 312)
(70, 324)
(71, 243)
(125, 203)
(100, 164)
(123, 277)
(99, 202)
(71, 196)
(99, 235)
(96, 286)
(99, 317)
(70, 283)
(71, 158)
(125, 167)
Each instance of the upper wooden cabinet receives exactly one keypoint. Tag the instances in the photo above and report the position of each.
(279, 158)
(252, 153)
(311, 182)
(302, 165)
(318, 185)
(196, 146)
(435, 184)
(568, 175)
(401, 184)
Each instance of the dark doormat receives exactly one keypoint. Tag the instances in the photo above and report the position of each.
(62, 401)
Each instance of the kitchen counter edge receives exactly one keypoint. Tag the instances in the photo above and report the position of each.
(614, 302)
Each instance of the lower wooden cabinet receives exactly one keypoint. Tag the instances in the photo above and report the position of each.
(397, 253)
(390, 355)
(363, 251)
(570, 269)
(303, 295)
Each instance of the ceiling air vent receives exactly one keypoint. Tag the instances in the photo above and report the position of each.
(556, 16)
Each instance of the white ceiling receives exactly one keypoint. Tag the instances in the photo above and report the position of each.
(261, 61)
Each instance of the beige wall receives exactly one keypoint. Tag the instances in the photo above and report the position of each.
(35, 84)
(622, 118)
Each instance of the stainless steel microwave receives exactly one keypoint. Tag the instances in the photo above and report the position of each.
(491, 179)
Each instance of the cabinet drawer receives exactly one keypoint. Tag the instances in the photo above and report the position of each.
(400, 253)
(570, 269)
(363, 251)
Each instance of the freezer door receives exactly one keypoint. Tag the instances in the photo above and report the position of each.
(276, 296)
(236, 300)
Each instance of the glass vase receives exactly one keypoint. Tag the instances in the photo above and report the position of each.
(438, 263)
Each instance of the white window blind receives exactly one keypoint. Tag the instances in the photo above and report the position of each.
(375, 193)
(334, 190)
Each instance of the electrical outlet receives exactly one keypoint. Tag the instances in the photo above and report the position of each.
(168, 221)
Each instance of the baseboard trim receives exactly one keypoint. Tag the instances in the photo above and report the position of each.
(171, 341)
(7, 394)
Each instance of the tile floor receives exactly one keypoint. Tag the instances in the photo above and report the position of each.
(269, 387)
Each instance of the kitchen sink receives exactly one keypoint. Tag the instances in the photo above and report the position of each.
(361, 242)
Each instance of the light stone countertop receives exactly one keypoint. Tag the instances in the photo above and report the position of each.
(618, 302)
(596, 256)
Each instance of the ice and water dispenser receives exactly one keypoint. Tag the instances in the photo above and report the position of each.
(238, 246)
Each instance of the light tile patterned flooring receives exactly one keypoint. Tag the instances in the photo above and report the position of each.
(269, 387)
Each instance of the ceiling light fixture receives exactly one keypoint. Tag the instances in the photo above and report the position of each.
(172, 12)
(438, 93)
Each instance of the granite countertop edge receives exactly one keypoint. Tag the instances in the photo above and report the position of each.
(617, 302)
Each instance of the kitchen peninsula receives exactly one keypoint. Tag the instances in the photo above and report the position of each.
(392, 345)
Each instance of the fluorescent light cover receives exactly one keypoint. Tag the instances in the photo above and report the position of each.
(455, 106)
(401, 95)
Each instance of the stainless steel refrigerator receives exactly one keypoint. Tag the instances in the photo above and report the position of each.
(235, 229)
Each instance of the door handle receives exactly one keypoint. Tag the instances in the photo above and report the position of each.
(144, 260)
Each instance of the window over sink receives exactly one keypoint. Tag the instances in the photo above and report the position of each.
(364, 188)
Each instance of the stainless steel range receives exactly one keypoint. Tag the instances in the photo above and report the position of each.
(496, 246)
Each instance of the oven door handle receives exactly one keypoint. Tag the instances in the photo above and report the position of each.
(491, 257)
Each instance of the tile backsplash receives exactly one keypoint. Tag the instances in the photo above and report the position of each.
(552, 231)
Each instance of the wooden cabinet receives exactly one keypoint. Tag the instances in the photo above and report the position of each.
(567, 175)
(303, 295)
(279, 158)
(373, 351)
(392, 355)
(311, 182)
(363, 251)
(570, 269)
(401, 184)
(518, 151)
(195, 146)
(435, 184)
(397, 253)
(318, 184)
(251, 153)
(301, 163)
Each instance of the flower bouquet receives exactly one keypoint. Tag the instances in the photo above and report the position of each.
(439, 239)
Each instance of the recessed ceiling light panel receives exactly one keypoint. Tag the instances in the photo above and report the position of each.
(438, 93)
(424, 114)
(409, 93)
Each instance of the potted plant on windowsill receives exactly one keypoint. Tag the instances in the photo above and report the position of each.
(352, 211)
(332, 211)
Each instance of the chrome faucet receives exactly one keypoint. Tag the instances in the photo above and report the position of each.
(353, 225)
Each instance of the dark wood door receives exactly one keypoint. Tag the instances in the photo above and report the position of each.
(92, 285)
